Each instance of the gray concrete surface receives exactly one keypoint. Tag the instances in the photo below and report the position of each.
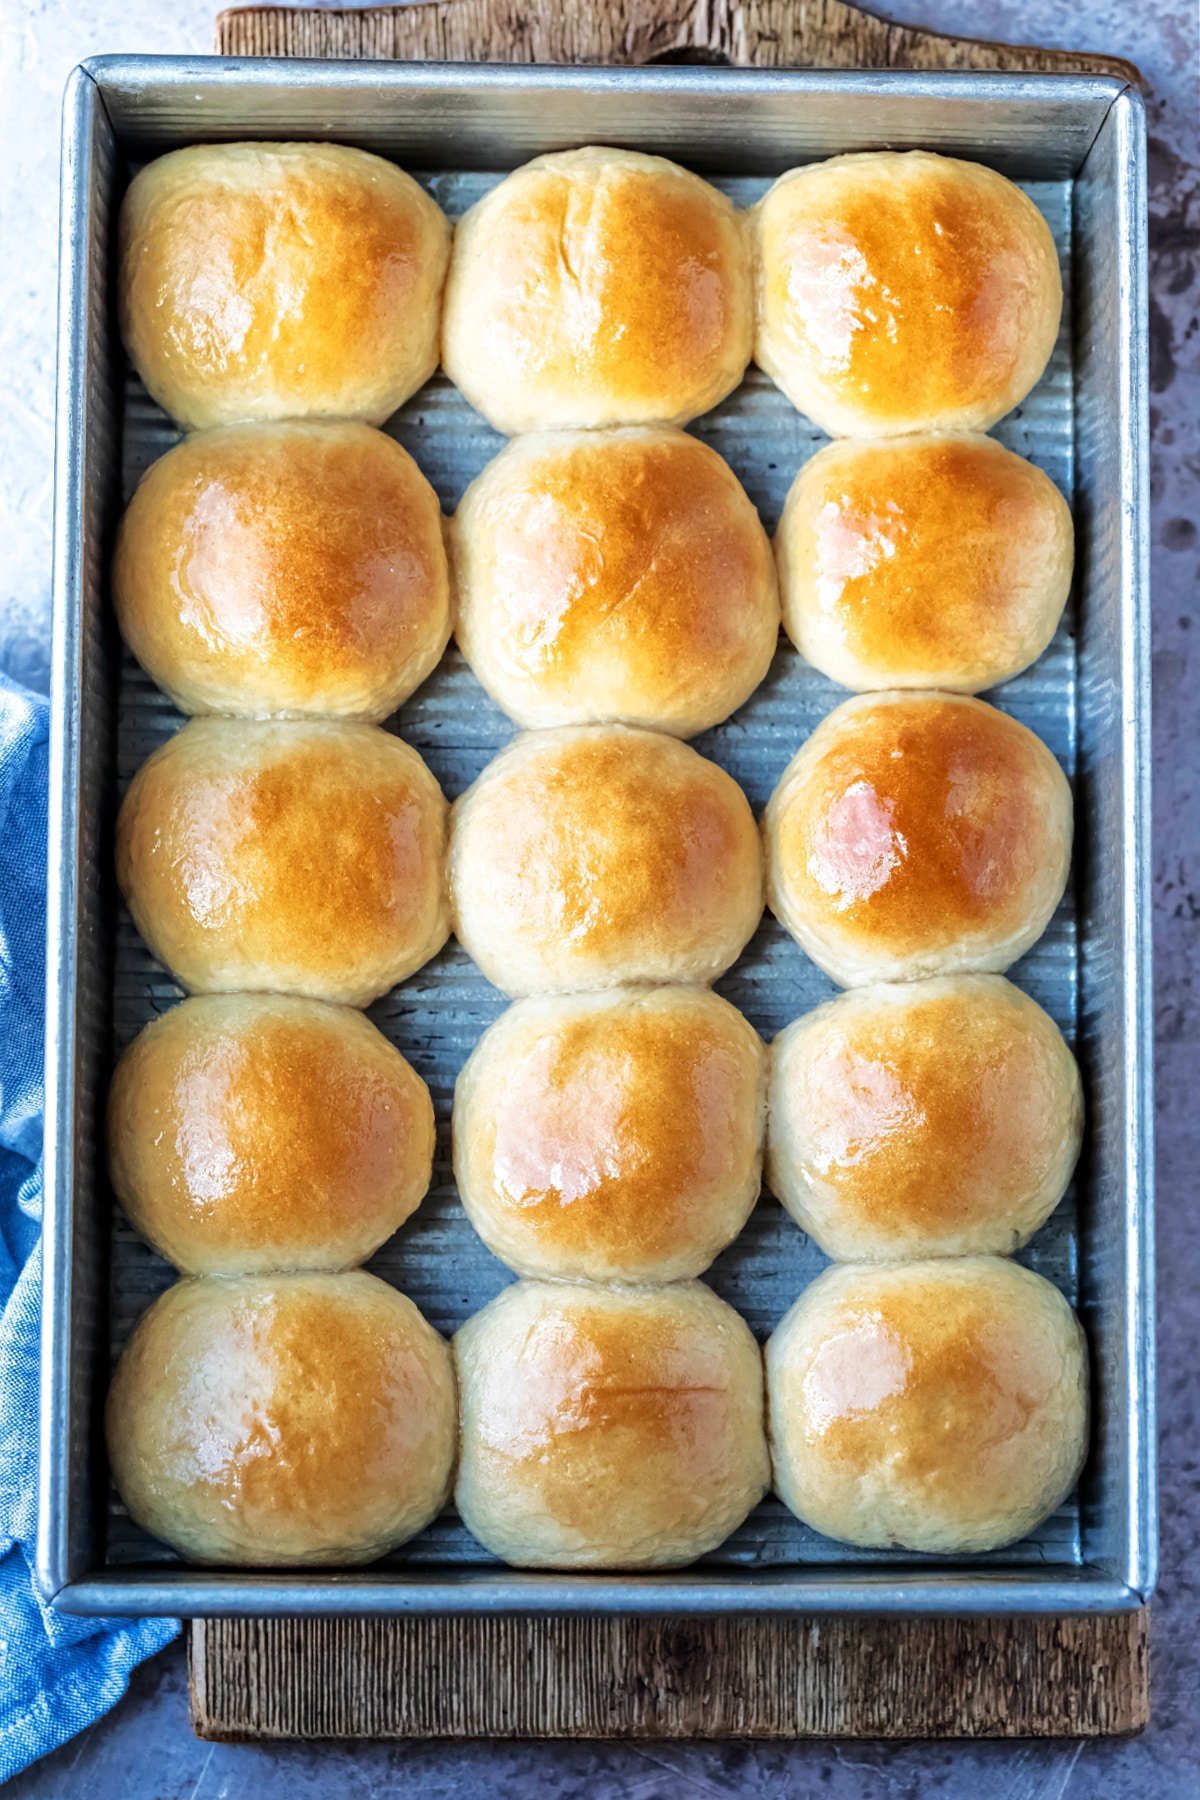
(144, 1750)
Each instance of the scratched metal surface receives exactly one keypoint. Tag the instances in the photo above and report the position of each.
(437, 1016)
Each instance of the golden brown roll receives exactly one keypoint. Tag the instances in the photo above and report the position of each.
(903, 292)
(256, 1132)
(285, 571)
(619, 575)
(935, 1406)
(596, 855)
(929, 1118)
(939, 561)
(283, 1421)
(612, 1137)
(304, 858)
(917, 835)
(608, 1428)
(275, 281)
(598, 287)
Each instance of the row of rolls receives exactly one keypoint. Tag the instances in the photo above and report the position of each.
(300, 570)
(885, 293)
(910, 836)
(309, 1419)
(611, 585)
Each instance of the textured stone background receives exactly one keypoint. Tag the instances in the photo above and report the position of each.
(145, 1750)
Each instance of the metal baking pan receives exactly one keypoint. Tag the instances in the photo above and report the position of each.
(1078, 145)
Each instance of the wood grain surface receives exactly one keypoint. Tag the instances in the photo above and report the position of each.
(804, 34)
(669, 1678)
(771, 1677)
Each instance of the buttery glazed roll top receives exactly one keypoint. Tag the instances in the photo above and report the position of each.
(274, 281)
(598, 287)
(284, 570)
(903, 292)
(612, 1137)
(917, 835)
(608, 1428)
(940, 561)
(620, 575)
(938, 1406)
(929, 1118)
(597, 855)
(283, 1421)
(252, 1132)
(304, 858)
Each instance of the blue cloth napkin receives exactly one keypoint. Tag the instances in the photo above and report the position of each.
(57, 1674)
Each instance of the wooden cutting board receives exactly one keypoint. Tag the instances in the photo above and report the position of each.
(659, 1678)
(795, 34)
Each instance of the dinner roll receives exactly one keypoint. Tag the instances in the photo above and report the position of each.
(598, 287)
(939, 561)
(936, 1406)
(930, 1118)
(285, 1420)
(275, 281)
(303, 858)
(612, 1137)
(284, 570)
(254, 1132)
(596, 855)
(608, 1428)
(616, 575)
(917, 835)
(903, 292)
